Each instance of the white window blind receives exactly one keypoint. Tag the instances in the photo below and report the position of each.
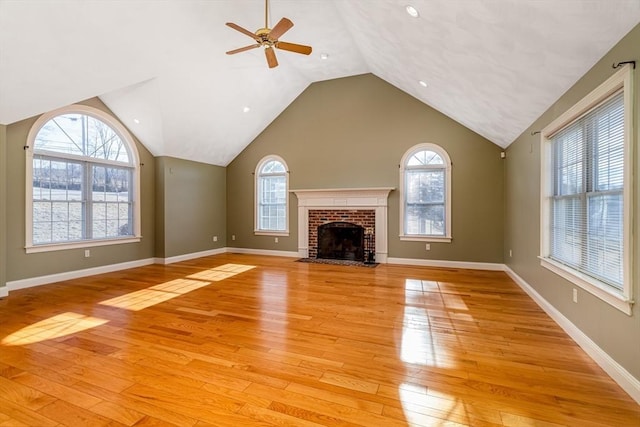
(587, 206)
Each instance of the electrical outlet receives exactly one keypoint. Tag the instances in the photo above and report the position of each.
(510, 253)
(276, 240)
(87, 253)
(427, 246)
(233, 237)
(575, 295)
(215, 238)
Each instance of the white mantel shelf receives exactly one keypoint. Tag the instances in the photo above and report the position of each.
(344, 198)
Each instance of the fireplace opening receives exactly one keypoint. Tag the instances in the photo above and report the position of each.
(341, 240)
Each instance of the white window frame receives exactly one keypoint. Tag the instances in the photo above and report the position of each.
(623, 301)
(256, 212)
(447, 204)
(124, 134)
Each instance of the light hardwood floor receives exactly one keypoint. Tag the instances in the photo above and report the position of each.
(233, 340)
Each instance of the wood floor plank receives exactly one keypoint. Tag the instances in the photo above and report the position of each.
(420, 419)
(118, 413)
(417, 400)
(18, 414)
(70, 415)
(199, 371)
(253, 340)
(511, 420)
(349, 382)
(22, 395)
(320, 406)
(281, 417)
(152, 410)
(62, 392)
(341, 399)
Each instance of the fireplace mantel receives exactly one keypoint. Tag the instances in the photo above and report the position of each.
(344, 198)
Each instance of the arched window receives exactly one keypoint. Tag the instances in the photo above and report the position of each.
(425, 191)
(272, 197)
(82, 166)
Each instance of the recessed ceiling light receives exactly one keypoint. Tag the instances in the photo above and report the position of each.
(246, 109)
(422, 83)
(324, 55)
(136, 121)
(412, 11)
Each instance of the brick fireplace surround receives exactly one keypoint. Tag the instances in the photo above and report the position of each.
(363, 217)
(366, 207)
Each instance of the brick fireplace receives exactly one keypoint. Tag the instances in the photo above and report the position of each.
(363, 217)
(366, 207)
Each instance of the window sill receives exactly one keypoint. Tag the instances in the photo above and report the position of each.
(435, 239)
(590, 285)
(284, 233)
(77, 245)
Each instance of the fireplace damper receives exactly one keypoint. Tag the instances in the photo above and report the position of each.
(341, 240)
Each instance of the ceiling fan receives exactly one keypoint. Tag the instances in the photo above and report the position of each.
(268, 38)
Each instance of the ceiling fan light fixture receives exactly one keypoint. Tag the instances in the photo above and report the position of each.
(412, 11)
(269, 39)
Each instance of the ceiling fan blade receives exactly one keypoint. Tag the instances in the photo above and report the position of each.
(292, 47)
(271, 57)
(281, 27)
(243, 31)
(242, 49)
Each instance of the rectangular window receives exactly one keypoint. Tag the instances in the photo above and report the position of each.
(424, 209)
(586, 219)
(58, 204)
(586, 187)
(273, 202)
(112, 202)
(64, 210)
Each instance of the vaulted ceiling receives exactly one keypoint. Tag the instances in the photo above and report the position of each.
(492, 65)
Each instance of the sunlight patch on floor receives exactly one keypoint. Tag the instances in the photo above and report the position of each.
(422, 409)
(221, 272)
(144, 298)
(421, 285)
(54, 327)
(418, 345)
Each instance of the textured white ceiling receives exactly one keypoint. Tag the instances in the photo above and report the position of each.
(492, 65)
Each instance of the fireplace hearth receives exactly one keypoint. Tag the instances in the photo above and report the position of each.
(341, 240)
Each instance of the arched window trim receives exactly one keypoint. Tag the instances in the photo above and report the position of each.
(447, 166)
(134, 163)
(256, 230)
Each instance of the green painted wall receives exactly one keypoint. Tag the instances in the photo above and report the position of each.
(25, 265)
(353, 132)
(194, 206)
(160, 204)
(613, 331)
(3, 208)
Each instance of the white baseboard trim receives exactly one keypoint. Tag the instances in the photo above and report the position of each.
(68, 275)
(187, 257)
(4, 291)
(446, 264)
(267, 252)
(628, 382)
